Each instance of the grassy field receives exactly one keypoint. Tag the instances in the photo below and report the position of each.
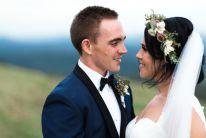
(23, 93)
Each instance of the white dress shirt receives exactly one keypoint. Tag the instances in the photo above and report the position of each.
(107, 94)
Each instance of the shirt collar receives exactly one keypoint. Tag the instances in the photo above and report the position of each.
(94, 76)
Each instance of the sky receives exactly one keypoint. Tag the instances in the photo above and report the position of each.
(27, 19)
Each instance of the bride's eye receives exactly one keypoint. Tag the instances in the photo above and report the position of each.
(143, 47)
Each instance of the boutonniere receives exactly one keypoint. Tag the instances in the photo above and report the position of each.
(121, 86)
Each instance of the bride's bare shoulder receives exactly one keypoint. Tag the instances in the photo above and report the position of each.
(198, 129)
(152, 110)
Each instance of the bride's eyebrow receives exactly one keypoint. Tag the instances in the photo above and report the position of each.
(143, 45)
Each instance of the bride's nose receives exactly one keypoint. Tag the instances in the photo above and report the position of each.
(139, 55)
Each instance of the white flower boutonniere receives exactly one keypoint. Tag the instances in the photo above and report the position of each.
(121, 86)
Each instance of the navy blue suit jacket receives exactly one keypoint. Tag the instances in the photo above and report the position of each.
(75, 109)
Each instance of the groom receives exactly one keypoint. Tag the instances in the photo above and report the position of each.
(85, 105)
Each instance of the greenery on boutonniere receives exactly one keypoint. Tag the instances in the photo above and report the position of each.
(121, 86)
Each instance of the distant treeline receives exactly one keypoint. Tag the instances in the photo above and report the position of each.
(57, 56)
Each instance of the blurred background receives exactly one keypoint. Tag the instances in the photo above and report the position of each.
(36, 53)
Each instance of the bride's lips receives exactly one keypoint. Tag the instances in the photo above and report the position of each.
(141, 65)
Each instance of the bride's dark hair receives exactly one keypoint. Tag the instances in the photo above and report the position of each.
(183, 27)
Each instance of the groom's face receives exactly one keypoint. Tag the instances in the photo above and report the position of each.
(109, 47)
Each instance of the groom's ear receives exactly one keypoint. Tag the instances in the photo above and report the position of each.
(86, 47)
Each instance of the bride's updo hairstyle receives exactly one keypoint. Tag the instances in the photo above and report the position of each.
(182, 28)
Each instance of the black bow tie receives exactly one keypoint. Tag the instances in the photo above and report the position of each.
(105, 81)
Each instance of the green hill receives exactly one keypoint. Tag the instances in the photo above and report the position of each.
(23, 93)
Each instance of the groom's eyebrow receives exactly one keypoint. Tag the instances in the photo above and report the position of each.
(118, 39)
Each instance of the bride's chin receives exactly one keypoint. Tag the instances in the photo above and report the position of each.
(142, 75)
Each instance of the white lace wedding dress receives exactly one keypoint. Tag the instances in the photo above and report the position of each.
(146, 128)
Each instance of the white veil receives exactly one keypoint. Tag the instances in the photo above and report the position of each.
(177, 112)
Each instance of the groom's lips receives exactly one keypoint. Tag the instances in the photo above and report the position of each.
(118, 59)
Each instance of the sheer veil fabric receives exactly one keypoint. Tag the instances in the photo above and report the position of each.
(177, 112)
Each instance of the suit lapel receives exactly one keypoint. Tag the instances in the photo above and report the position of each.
(97, 97)
(123, 112)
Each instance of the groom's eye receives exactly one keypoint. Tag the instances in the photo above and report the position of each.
(115, 43)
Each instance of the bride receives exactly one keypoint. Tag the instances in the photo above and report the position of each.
(171, 57)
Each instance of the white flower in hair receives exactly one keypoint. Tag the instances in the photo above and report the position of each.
(147, 21)
(168, 43)
(160, 27)
(152, 32)
(168, 47)
(156, 27)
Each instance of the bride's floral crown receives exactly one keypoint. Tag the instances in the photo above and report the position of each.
(156, 27)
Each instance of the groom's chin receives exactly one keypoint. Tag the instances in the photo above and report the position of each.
(115, 69)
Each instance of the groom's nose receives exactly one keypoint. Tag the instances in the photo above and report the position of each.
(122, 49)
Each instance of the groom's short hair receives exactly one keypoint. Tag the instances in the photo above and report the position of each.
(86, 24)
